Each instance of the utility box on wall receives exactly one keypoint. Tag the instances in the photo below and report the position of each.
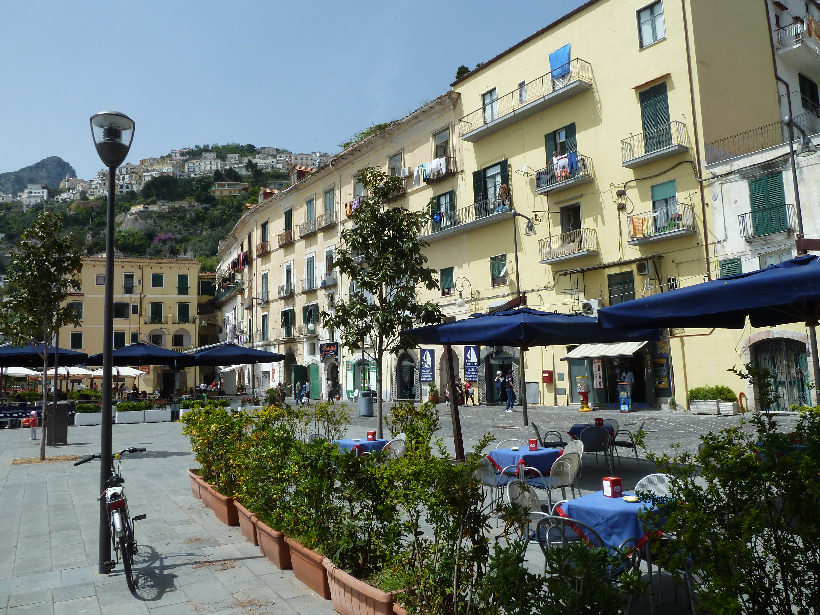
(546, 376)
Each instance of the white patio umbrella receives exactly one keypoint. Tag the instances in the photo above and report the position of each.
(19, 372)
(123, 372)
(71, 372)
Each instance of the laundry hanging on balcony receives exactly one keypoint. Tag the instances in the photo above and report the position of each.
(559, 62)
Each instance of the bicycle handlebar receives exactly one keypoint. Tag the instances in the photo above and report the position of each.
(88, 458)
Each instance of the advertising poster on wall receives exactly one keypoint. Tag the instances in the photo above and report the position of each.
(427, 370)
(471, 363)
(597, 373)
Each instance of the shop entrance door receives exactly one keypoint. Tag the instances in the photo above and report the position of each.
(786, 360)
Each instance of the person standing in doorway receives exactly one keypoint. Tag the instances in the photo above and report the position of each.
(500, 389)
(510, 386)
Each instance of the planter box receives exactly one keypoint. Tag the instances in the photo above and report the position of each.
(273, 545)
(308, 568)
(196, 483)
(713, 406)
(399, 609)
(247, 523)
(350, 596)
(132, 416)
(88, 418)
(222, 505)
(158, 415)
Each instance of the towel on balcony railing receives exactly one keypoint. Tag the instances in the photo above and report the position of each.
(637, 223)
(421, 173)
(559, 62)
(438, 167)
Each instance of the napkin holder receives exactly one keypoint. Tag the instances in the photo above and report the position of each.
(371, 435)
(599, 422)
(612, 487)
(533, 443)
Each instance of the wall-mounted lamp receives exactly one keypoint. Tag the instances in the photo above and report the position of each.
(460, 283)
(525, 170)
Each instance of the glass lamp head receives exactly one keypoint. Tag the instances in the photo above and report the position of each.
(112, 132)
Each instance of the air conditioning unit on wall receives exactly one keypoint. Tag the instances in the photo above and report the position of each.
(589, 307)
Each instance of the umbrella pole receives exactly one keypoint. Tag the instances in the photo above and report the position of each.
(523, 386)
(458, 440)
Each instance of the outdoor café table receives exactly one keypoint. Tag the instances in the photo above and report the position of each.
(541, 459)
(575, 431)
(364, 445)
(614, 519)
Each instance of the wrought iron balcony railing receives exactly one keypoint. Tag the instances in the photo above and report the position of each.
(568, 170)
(285, 238)
(767, 221)
(536, 94)
(308, 284)
(480, 211)
(790, 35)
(285, 290)
(662, 224)
(329, 281)
(325, 220)
(226, 292)
(660, 142)
(441, 170)
(565, 246)
(307, 228)
(286, 333)
(262, 248)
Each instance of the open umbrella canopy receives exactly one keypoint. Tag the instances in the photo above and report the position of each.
(144, 354)
(71, 372)
(231, 354)
(525, 327)
(783, 293)
(20, 372)
(32, 356)
(125, 372)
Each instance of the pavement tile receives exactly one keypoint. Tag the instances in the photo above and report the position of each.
(40, 580)
(80, 574)
(30, 597)
(79, 606)
(129, 607)
(72, 592)
(43, 608)
(171, 609)
(206, 591)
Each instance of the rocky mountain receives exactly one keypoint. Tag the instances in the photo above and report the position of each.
(50, 171)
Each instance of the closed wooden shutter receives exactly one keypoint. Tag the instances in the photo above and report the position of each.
(768, 202)
(655, 118)
(730, 266)
(478, 186)
(505, 173)
(572, 141)
(550, 146)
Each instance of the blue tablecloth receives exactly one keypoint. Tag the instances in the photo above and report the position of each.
(575, 431)
(365, 445)
(541, 459)
(614, 519)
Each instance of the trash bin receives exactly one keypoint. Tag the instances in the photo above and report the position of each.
(625, 396)
(366, 403)
(57, 427)
(174, 405)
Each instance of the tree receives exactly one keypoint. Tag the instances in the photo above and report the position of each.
(382, 255)
(231, 175)
(461, 71)
(219, 176)
(45, 268)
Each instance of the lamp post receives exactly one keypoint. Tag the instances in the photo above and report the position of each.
(112, 133)
(529, 230)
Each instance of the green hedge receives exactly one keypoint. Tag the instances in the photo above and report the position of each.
(87, 408)
(718, 391)
(133, 406)
(85, 394)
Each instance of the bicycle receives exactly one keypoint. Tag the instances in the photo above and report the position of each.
(122, 525)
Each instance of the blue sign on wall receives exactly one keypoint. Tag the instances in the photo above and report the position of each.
(427, 371)
(471, 363)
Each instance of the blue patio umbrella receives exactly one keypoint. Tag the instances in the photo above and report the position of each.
(232, 354)
(31, 355)
(144, 354)
(784, 293)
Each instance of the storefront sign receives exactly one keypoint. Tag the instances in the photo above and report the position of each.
(471, 363)
(427, 370)
(330, 349)
(597, 373)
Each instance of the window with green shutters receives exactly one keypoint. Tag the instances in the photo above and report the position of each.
(730, 266)
(157, 280)
(310, 315)
(621, 287)
(263, 329)
(657, 131)
(487, 181)
(446, 277)
(183, 313)
(156, 313)
(287, 322)
(561, 141)
(329, 204)
(182, 284)
(768, 203)
(498, 270)
(443, 210)
(119, 339)
(288, 219)
(310, 210)
(664, 206)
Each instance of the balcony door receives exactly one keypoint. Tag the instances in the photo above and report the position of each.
(657, 133)
(768, 203)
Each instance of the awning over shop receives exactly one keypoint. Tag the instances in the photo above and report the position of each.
(617, 349)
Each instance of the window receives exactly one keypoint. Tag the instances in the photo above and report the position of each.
(665, 206)
(265, 296)
(157, 280)
(135, 337)
(263, 232)
(135, 309)
(310, 210)
(394, 165)
(182, 284)
(289, 275)
(621, 287)
(120, 310)
(76, 340)
(358, 189)
(570, 218)
(128, 284)
(560, 142)
(183, 314)
(287, 322)
(178, 340)
(310, 317)
(447, 286)
(498, 270)
(207, 288)
(157, 339)
(156, 313)
(489, 101)
(288, 219)
(263, 333)
(100, 279)
(310, 271)
(522, 92)
(730, 266)
(774, 258)
(441, 143)
(768, 204)
(329, 261)
(657, 131)
(78, 309)
(329, 203)
(487, 182)
(119, 339)
(651, 27)
(809, 94)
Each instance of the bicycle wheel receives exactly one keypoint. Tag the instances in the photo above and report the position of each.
(125, 551)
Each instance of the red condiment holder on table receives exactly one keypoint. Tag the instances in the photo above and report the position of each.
(371, 435)
(533, 444)
(612, 487)
(599, 422)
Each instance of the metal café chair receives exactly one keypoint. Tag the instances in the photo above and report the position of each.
(625, 439)
(598, 440)
(394, 449)
(576, 446)
(550, 439)
(488, 475)
(562, 475)
(654, 484)
(512, 442)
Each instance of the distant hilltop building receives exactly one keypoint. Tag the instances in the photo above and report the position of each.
(33, 194)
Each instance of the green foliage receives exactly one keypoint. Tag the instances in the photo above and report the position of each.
(417, 423)
(272, 396)
(27, 396)
(133, 406)
(763, 382)
(85, 394)
(719, 392)
(208, 263)
(131, 242)
(87, 408)
(462, 71)
(364, 134)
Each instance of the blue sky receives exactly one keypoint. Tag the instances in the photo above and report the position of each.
(300, 75)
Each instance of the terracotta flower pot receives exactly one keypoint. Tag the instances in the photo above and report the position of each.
(196, 483)
(273, 545)
(308, 568)
(399, 609)
(247, 523)
(350, 596)
(222, 505)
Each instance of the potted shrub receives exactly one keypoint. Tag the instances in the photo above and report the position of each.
(130, 412)
(432, 393)
(159, 414)
(718, 399)
(88, 414)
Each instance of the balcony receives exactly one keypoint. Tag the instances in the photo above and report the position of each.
(567, 246)
(661, 224)
(656, 144)
(307, 228)
(441, 169)
(285, 290)
(228, 291)
(308, 284)
(326, 220)
(285, 238)
(286, 333)
(766, 221)
(793, 44)
(329, 281)
(565, 172)
(184, 321)
(467, 218)
(309, 330)
(537, 95)
(155, 320)
(262, 248)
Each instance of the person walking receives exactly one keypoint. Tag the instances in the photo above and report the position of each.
(510, 386)
(306, 393)
(500, 389)
(468, 392)
(32, 422)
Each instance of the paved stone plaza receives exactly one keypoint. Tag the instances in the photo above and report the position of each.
(189, 561)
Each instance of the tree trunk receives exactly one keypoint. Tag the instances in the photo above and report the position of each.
(379, 410)
(45, 402)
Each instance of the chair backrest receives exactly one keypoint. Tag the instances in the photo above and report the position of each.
(595, 439)
(532, 475)
(564, 469)
(537, 434)
(654, 484)
(519, 493)
(395, 449)
(509, 442)
(485, 472)
(574, 446)
(555, 532)
(614, 424)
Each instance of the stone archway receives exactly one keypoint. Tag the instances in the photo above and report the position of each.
(406, 384)
(786, 354)
(492, 360)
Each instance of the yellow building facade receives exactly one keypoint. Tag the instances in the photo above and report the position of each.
(155, 301)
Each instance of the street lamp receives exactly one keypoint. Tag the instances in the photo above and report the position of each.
(112, 133)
